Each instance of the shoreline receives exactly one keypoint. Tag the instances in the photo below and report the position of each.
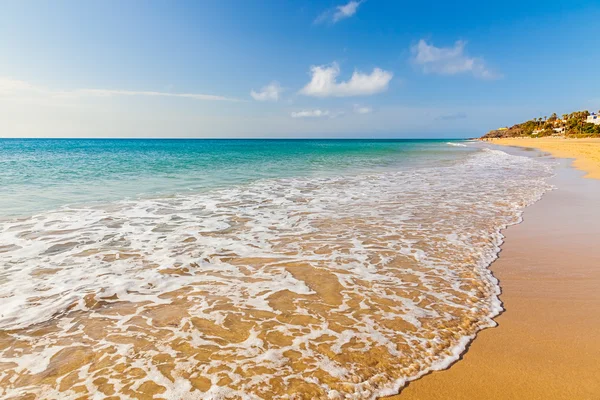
(494, 190)
(585, 152)
(543, 335)
(174, 325)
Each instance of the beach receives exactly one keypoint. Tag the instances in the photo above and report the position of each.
(237, 268)
(547, 342)
(585, 152)
(278, 272)
(283, 200)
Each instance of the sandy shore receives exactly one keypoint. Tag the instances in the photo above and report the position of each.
(547, 344)
(585, 152)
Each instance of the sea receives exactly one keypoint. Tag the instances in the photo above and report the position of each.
(248, 269)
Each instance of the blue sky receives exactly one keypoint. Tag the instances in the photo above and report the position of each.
(372, 68)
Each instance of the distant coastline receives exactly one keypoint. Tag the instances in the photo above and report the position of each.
(575, 124)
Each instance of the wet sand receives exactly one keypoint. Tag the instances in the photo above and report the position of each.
(585, 152)
(278, 289)
(547, 344)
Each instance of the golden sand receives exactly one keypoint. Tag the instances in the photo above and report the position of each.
(547, 344)
(586, 152)
(345, 298)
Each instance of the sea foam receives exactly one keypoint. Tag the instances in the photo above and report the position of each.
(326, 287)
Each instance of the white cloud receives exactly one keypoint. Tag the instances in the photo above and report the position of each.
(324, 83)
(271, 92)
(310, 114)
(110, 92)
(339, 12)
(362, 110)
(449, 60)
(346, 11)
(13, 88)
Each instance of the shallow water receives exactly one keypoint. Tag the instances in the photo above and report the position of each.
(338, 272)
(43, 174)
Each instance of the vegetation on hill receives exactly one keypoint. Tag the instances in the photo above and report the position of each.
(573, 124)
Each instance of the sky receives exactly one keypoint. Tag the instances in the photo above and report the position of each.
(289, 69)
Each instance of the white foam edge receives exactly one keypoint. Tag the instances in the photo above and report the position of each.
(460, 348)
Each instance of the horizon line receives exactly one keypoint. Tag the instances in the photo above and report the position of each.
(231, 138)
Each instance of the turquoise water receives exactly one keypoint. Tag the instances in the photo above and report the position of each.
(42, 174)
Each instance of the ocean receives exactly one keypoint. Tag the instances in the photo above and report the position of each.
(254, 269)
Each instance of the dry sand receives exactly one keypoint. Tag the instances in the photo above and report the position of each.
(547, 344)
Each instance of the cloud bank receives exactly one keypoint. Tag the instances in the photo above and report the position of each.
(310, 114)
(14, 88)
(271, 92)
(449, 60)
(324, 83)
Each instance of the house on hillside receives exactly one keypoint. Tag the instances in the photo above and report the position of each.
(593, 118)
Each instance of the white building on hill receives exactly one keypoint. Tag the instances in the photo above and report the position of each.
(593, 119)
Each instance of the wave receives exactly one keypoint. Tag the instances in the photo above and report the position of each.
(456, 144)
(331, 286)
